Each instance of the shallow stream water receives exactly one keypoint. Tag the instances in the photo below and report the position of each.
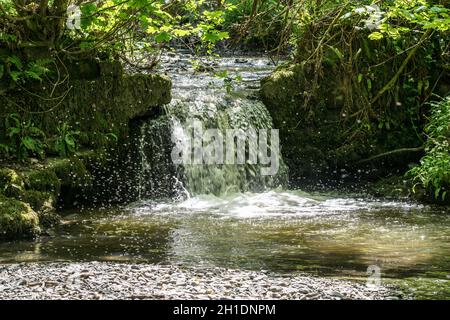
(279, 231)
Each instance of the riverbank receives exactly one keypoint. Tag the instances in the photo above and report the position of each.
(104, 280)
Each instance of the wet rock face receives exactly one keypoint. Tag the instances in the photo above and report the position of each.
(99, 100)
(318, 137)
(31, 193)
(308, 135)
(102, 103)
(17, 219)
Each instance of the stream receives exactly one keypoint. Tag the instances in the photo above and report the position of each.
(253, 227)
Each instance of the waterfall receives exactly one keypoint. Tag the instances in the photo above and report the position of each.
(204, 99)
(156, 174)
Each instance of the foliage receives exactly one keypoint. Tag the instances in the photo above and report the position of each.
(134, 31)
(66, 143)
(23, 138)
(377, 63)
(228, 80)
(112, 25)
(38, 42)
(12, 66)
(433, 173)
(260, 24)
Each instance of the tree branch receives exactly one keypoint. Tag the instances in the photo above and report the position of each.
(394, 79)
(396, 151)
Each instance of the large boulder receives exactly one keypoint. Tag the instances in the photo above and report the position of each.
(11, 183)
(17, 219)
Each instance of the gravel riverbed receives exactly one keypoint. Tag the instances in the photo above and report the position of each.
(105, 280)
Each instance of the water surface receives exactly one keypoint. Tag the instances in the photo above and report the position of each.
(280, 231)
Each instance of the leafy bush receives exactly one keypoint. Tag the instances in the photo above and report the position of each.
(23, 138)
(261, 24)
(66, 143)
(433, 174)
(12, 66)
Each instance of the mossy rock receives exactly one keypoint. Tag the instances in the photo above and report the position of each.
(38, 200)
(93, 160)
(11, 183)
(17, 219)
(44, 204)
(72, 173)
(98, 107)
(44, 180)
(76, 181)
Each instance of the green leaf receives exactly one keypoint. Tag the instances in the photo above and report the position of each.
(70, 141)
(360, 78)
(163, 37)
(15, 75)
(13, 131)
(376, 36)
(337, 52)
(214, 36)
(112, 136)
(182, 32)
(30, 143)
(15, 60)
(33, 75)
(222, 74)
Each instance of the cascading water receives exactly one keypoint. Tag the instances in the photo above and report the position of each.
(156, 172)
(216, 103)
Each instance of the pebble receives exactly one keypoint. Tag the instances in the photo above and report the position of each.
(111, 280)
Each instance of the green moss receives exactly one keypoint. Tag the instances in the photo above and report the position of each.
(17, 219)
(72, 173)
(44, 180)
(38, 200)
(44, 204)
(98, 107)
(11, 184)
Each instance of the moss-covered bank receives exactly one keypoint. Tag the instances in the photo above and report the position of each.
(98, 102)
(101, 103)
(317, 139)
(30, 194)
(17, 219)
